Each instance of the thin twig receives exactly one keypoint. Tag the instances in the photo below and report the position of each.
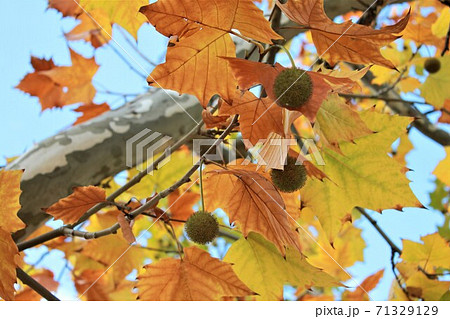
(135, 47)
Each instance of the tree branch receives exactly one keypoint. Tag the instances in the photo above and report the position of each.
(33, 284)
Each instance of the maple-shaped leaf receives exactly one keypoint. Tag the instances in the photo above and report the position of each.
(250, 199)
(360, 293)
(192, 66)
(69, 209)
(249, 74)
(257, 117)
(434, 253)
(337, 122)
(89, 29)
(92, 285)
(76, 78)
(261, 266)
(197, 276)
(9, 197)
(435, 89)
(174, 17)
(8, 254)
(126, 13)
(90, 111)
(362, 175)
(50, 94)
(346, 41)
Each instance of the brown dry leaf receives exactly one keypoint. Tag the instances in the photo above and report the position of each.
(360, 293)
(126, 227)
(8, 264)
(346, 41)
(193, 66)
(9, 198)
(72, 207)
(257, 117)
(249, 74)
(84, 283)
(90, 111)
(250, 199)
(174, 17)
(198, 276)
(211, 121)
(180, 204)
(445, 116)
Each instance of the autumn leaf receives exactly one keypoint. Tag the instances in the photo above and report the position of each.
(126, 14)
(257, 117)
(180, 204)
(43, 276)
(89, 29)
(261, 266)
(360, 293)
(251, 200)
(435, 89)
(67, 8)
(434, 253)
(9, 197)
(336, 122)
(419, 286)
(342, 42)
(90, 111)
(8, 254)
(192, 66)
(249, 74)
(441, 171)
(72, 207)
(198, 276)
(174, 17)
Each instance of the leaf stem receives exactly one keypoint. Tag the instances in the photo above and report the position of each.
(201, 185)
(288, 53)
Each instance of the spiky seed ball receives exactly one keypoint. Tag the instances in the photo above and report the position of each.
(292, 88)
(432, 65)
(202, 227)
(292, 178)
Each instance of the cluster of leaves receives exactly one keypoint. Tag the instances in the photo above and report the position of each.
(266, 234)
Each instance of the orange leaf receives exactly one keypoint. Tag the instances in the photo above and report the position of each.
(249, 74)
(360, 293)
(89, 29)
(8, 254)
(90, 111)
(257, 117)
(198, 276)
(9, 198)
(67, 8)
(126, 227)
(45, 278)
(174, 17)
(343, 42)
(180, 206)
(212, 121)
(72, 207)
(193, 66)
(251, 200)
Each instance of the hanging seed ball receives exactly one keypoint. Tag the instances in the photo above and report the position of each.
(292, 88)
(202, 227)
(432, 65)
(292, 178)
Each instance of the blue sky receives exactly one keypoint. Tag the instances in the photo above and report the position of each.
(29, 29)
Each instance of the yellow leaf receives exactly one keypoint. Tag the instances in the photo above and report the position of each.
(89, 29)
(9, 197)
(261, 266)
(432, 254)
(198, 276)
(440, 27)
(436, 88)
(8, 254)
(125, 13)
(442, 170)
(420, 286)
(363, 175)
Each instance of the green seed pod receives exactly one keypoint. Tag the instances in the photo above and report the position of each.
(202, 227)
(432, 65)
(292, 178)
(292, 88)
